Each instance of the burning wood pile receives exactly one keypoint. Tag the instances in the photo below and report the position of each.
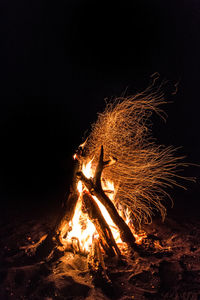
(120, 176)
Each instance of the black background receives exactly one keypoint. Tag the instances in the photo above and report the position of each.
(60, 59)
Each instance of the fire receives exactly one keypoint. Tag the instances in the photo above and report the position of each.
(83, 230)
(87, 169)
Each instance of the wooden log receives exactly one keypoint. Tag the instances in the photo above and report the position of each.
(95, 188)
(66, 214)
(53, 237)
(103, 229)
(96, 263)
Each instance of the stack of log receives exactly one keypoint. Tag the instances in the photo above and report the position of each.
(93, 187)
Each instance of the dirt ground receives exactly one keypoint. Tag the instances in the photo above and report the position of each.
(156, 274)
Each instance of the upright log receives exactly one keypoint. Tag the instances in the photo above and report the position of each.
(46, 248)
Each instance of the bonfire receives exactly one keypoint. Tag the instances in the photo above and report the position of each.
(121, 176)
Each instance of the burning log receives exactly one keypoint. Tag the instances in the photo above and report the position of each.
(95, 258)
(106, 237)
(46, 248)
(98, 268)
(95, 188)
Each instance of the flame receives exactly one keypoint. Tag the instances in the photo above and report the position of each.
(80, 187)
(87, 169)
(82, 229)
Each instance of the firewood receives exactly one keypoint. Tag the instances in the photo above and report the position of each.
(95, 188)
(66, 214)
(96, 217)
(96, 263)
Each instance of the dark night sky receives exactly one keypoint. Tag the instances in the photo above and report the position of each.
(60, 59)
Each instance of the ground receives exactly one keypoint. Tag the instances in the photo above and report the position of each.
(173, 274)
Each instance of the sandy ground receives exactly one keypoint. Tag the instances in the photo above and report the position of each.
(157, 274)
